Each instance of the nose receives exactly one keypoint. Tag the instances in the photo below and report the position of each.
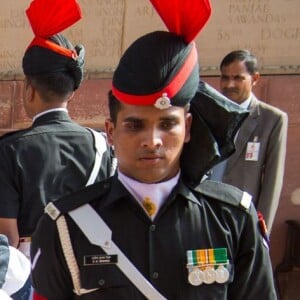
(152, 138)
(229, 83)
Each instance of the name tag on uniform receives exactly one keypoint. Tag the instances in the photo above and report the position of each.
(93, 260)
(252, 151)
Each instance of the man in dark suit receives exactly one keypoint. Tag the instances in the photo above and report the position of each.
(257, 166)
(54, 156)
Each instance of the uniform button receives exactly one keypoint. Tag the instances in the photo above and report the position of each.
(155, 275)
(101, 282)
(152, 227)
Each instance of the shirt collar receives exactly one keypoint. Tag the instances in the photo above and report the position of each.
(118, 192)
(246, 103)
(157, 192)
(48, 111)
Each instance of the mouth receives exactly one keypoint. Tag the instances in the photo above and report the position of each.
(151, 158)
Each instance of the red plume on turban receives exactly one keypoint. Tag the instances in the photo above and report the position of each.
(146, 76)
(48, 18)
(50, 51)
(184, 17)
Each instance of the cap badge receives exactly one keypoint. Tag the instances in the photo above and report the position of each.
(163, 102)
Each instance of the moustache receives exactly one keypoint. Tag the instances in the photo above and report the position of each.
(151, 153)
(230, 90)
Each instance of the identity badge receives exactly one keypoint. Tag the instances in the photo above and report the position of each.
(252, 151)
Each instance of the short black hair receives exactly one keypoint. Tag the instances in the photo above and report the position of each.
(114, 106)
(52, 86)
(241, 55)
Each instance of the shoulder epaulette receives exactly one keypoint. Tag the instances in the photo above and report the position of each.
(225, 193)
(74, 200)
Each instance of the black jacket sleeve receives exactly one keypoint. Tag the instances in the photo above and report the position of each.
(253, 276)
(50, 274)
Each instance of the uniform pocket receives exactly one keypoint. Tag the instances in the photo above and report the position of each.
(109, 281)
(102, 276)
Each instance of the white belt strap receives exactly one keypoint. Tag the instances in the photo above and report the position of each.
(101, 147)
(87, 220)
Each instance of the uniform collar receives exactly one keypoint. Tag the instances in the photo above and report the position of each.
(187, 192)
(157, 193)
(118, 192)
(48, 111)
(49, 115)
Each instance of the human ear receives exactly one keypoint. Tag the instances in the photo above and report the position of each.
(109, 129)
(28, 91)
(70, 97)
(188, 124)
(255, 78)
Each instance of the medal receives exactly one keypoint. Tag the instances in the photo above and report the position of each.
(209, 275)
(195, 277)
(222, 274)
(207, 266)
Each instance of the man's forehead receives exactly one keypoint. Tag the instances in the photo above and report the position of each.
(149, 111)
(236, 67)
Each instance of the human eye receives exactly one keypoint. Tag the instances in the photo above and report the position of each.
(239, 78)
(133, 125)
(168, 124)
(224, 78)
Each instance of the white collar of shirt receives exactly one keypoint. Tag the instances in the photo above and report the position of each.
(246, 103)
(48, 111)
(157, 192)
